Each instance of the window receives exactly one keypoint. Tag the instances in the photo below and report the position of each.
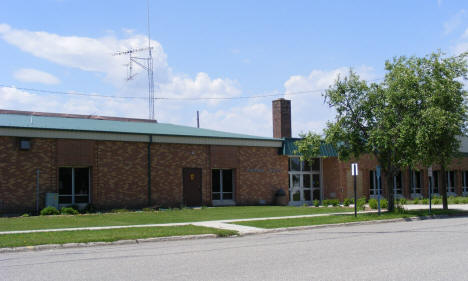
(222, 186)
(374, 184)
(74, 185)
(398, 183)
(304, 180)
(435, 181)
(450, 181)
(416, 182)
(465, 182)
(296, 165)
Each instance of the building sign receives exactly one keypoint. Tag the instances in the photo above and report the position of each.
(354, 169)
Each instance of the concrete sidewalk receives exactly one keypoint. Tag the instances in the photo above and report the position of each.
(222, 224)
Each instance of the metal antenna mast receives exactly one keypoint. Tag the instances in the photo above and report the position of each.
(144, 62)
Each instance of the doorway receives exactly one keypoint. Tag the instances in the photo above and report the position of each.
(192, 182)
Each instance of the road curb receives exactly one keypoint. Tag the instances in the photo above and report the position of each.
(95, 244)
(206, 236)
(306, 227)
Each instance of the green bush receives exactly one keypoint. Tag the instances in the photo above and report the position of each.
(456, 200)
(383, 203)
(334, 202)
(326, 202)
(361, 202)
(373, 204)
(147, 209)
(119, 211)
(346, 202)
(316, 203)
(465, 200)
(49, 211)
(416, 201)
(402, 201)
(89, 209)
(25, 215)
(425, 201)
(69, 211)
(436, 200)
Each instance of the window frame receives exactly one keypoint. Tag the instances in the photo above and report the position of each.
(73, 194)
(221, 185)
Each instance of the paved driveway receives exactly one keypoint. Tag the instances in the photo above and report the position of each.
(420, 250)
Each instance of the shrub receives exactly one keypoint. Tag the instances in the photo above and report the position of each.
(25, 215)
(49, 211)
(425, 201)
(346, 202)
(383, 203)
(69, 211)
(147, 209)
(361, 202)
(334, 202)
(89, 209)
(316, 203)
(465, 200)
(416, 201)
(119, 210)
(373, 204)
(402, 201)
(456, 200)
(437, 200)
(326, 202)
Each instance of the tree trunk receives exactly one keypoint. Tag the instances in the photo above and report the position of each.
(390, 191)
(443, 188)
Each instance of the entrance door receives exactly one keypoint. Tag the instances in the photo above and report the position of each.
(192, 186)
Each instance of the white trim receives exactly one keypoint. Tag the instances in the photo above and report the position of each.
(62, 134)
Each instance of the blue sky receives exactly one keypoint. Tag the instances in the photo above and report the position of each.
(212, 49)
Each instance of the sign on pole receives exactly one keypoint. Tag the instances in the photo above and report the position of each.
(354, 173)
(354, 169)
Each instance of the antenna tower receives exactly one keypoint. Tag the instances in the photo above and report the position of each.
(144, 62)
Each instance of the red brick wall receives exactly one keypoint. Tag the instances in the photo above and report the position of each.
(18, 173)
(262, 171)
(120, 174)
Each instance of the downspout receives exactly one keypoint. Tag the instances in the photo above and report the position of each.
(149, 169)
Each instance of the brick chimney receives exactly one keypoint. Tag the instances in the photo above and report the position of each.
(281, 118)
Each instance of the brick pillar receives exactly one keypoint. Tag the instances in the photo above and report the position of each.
(281, 118)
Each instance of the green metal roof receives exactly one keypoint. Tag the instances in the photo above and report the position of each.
(111, 126)
(289, 146)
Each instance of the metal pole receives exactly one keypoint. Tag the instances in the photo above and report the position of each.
(378, 191)
(37, 191)
(430, 194)
(198, 119)
(355, 197)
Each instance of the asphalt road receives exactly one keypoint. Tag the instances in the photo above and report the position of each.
(421, 250)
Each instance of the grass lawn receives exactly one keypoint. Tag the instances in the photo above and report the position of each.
(82, 236)
(342, 218)
(169, 216)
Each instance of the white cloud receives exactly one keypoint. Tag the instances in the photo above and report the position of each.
(454, 22)
(35, 76)
(309, 111)
(95, 55)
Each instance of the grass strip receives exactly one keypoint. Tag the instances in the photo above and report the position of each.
(334, 219)
(156, 217)
(107, 235)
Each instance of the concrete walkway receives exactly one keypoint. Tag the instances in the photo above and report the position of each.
(226, 224)
(222, 224)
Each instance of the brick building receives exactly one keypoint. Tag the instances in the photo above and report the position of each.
(117, 162)
(114, 162)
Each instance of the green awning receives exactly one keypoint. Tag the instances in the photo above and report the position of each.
(289, 146)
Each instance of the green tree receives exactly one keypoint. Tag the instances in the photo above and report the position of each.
(309, 146)
(394, 120)
(443, 117)
(373, 119)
